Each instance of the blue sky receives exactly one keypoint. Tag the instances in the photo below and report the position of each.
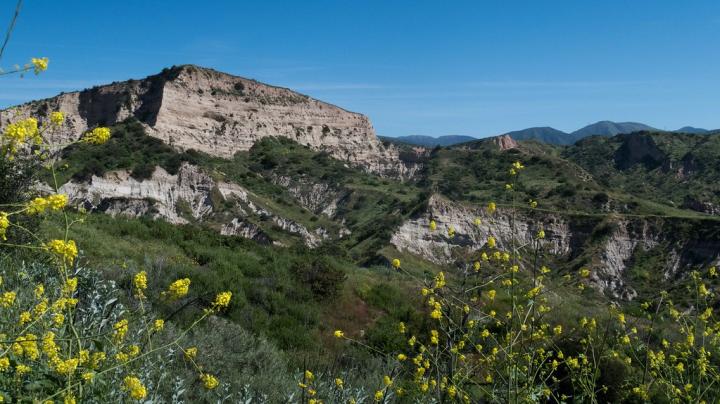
(477, 68)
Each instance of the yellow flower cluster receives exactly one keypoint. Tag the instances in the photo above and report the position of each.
(19, 133)
(178, 289)
(134, 387)
(4, 224)
(222, 300)
(39, 64)
(209, 381)
(190, 353)
(65, 250)
(140, 284)
(97, 136)
(120, 329)
(7, 299)
(158, 325)
(57, 118)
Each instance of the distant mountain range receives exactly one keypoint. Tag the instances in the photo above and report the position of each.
(543, 134)
(430, 141)
(690, 129)
(550, 135)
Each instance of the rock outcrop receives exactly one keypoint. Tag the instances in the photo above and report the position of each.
(190, 195)
(415, 236)
(615, 241)
(190, 107)
(505, 142)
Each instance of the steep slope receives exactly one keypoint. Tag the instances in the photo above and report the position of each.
(190, 107)
(609, 128)
(543, 134)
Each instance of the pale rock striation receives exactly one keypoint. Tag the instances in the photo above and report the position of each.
(320, 198)
(565, 236)
(415, 236)
(177, 198)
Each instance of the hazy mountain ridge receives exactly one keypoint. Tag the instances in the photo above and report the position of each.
(547, 134)
(691, 129)
(430, 141)
(543, 134)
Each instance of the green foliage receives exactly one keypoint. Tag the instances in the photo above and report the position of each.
(665, 168)
(129, 148)
(320, 275)
(279, 293)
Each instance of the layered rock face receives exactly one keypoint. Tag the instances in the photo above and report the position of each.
(415, 236)
(188, 195)
(566, 237)
(190, 107)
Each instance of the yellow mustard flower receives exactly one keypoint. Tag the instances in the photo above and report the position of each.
(22, 369)
(491, 207)
(57, 118)
(19, 133)
(190, 353)
(39, 290)
(140, 282)
(39, 64)
(134, 387)
(97, 136)
(158, 325)
(178, 289)
(209, 381)
(222, 300)
(7, 299)
(37, 206)
(120, 329)
(4, 224)
(25, 317)
(57, 201)
(66, 250)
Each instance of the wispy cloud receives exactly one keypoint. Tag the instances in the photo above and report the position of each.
(58, 85)
(335, 86)
(553, 84)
